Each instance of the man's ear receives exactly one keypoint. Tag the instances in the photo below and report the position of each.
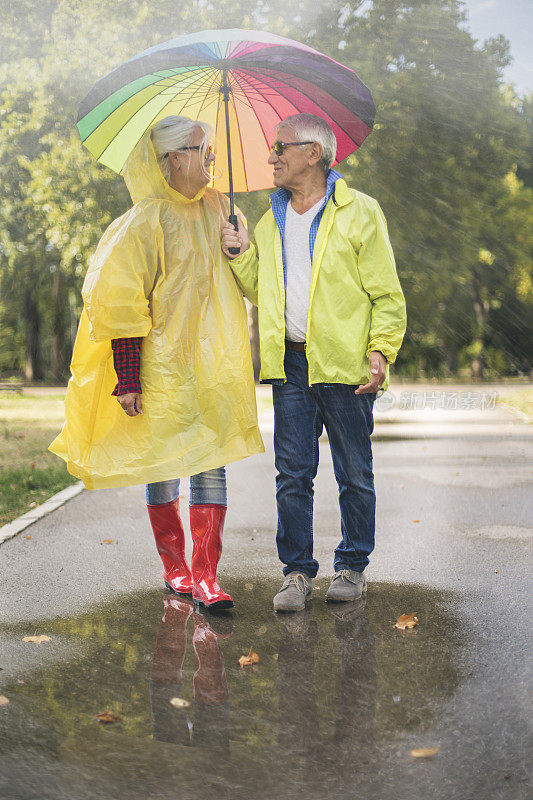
(315, 154)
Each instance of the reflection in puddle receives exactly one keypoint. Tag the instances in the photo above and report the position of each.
(209, 726)
(336, 688)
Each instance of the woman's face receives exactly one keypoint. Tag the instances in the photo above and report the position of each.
(189, 170)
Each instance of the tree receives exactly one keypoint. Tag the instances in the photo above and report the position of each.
(449, 161)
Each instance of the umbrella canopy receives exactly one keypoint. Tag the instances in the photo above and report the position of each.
(241, 82)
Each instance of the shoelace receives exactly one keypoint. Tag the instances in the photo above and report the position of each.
(298, 581)
(343, 574)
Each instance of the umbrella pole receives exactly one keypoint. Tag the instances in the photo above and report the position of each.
(232, 216)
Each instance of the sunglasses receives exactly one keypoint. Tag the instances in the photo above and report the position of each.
(209, 150)
(279, 147)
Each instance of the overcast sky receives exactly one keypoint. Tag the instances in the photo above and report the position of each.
(513, 18)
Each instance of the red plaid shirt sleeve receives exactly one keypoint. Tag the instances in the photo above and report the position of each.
(127, 361)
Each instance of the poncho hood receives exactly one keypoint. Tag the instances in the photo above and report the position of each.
(145, 180)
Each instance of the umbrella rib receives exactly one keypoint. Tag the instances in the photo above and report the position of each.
(264, 98)
(130, 118)
(197, 88)
(261, 98)
(242, 77)
(216, 76)
(263, 77)
(159, 78)
(206, 80)
(240, 138)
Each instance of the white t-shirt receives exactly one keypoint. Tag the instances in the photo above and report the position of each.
(298, 264)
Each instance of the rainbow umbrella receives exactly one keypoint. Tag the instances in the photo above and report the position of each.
(241, 82)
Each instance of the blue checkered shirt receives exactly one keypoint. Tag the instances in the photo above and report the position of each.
(279, 201)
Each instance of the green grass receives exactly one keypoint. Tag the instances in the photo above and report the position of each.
(522, 399)
(29, 474)
(22, 489)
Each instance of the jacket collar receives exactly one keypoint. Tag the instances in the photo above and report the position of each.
(343, 196)
(280, 199)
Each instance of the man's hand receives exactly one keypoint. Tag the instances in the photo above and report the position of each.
(378, 369)
(233, 238)
(131, 403)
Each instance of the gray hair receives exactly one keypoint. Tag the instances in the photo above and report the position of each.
(174, 132)
(309, 127)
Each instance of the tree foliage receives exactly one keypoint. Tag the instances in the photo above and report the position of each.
(450, 161)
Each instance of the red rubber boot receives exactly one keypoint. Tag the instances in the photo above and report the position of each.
(170, 543)
(207, 524)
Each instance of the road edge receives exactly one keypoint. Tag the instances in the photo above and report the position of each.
(19, 524)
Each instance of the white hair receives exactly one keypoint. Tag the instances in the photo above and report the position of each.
(309, 127)
(172, 133)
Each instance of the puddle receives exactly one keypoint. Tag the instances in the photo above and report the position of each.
(336, 701)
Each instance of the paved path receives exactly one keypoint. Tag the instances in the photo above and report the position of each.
(454, 522)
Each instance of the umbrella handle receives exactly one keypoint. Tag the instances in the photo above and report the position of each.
(232, 219)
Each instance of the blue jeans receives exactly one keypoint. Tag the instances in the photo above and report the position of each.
(300, 414)
(205, 488)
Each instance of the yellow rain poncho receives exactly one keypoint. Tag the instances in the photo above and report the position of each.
(159, 273)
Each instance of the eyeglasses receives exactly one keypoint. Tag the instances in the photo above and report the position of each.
(279, 147)
(209, 150)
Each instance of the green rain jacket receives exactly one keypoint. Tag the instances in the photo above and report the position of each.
(356, 302)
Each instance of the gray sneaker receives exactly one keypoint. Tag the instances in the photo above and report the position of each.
(347, 585)
(295, 590)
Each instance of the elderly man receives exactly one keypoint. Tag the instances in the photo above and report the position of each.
(331, 317)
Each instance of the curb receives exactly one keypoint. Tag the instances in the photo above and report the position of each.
(27, 519)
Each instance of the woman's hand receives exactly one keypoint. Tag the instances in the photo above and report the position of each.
(233, 238)
(131, 403)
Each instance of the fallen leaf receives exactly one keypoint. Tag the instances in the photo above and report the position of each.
(424, 752)
(406, 621)
(3, 700)
(179, 702)
(108, 541)
(37, 639)
(251, 658)
(416, 520)
(27, 537)
(106, 717)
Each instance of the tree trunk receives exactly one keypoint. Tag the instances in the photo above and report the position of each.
(481, 311)
(34, 365)
(60, 326)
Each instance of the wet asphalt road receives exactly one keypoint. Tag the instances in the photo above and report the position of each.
(339, 698)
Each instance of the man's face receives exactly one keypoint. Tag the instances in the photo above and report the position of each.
(288, 167)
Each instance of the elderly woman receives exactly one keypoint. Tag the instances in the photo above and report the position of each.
(163, 314)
